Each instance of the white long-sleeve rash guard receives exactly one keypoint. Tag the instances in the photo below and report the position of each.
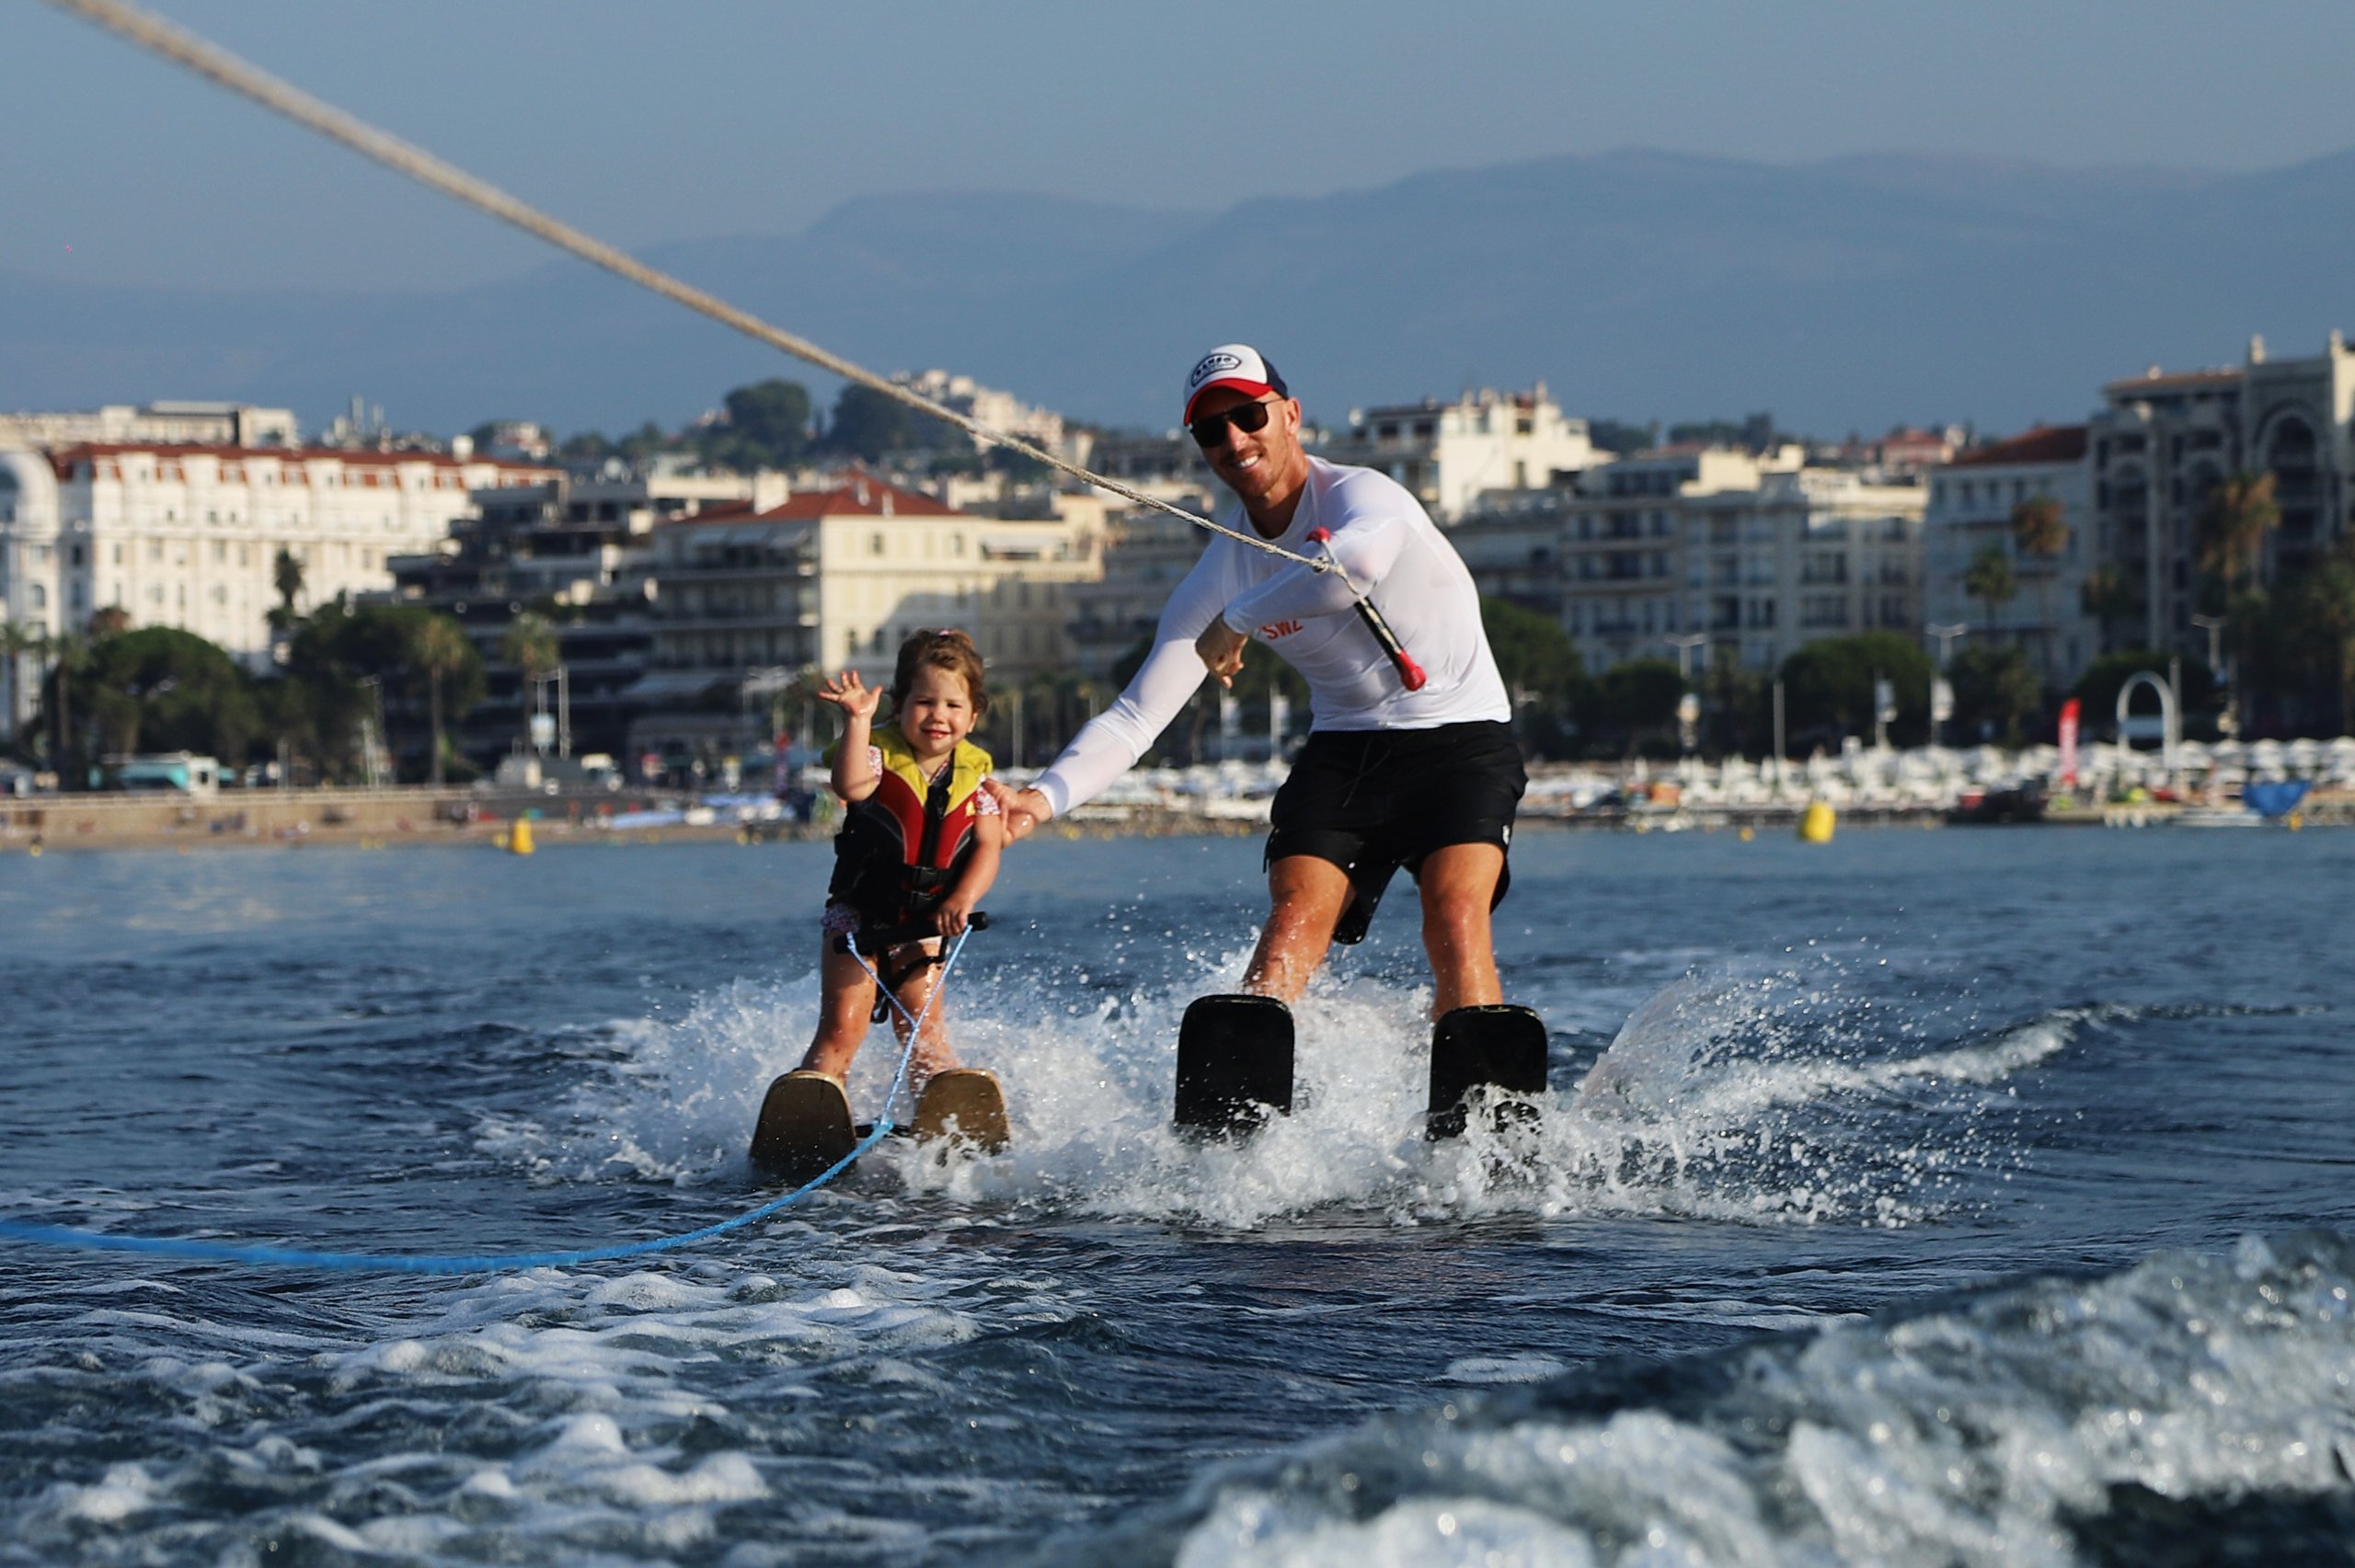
(1392, 552)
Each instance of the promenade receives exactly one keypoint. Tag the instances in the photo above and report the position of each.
(2117, 787)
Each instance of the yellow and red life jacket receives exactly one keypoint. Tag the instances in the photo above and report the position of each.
(900, 848)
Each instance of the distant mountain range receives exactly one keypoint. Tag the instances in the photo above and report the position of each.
(1844, 294)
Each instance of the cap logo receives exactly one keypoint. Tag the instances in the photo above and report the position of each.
(1211, 365)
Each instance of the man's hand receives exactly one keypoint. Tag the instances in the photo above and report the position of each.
(953, 916)
(1023, 809)
(1222, 647)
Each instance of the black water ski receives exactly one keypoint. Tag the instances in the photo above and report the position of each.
(1472, 1047)
(1233, 1063)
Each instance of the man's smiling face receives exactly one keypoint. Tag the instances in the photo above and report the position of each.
(1258, 466)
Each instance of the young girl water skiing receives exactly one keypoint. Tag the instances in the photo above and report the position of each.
(919, 846)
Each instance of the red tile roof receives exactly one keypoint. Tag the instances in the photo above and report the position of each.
(2046, 443)
(859, 495)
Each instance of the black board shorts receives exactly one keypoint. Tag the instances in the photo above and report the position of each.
(1373, 800)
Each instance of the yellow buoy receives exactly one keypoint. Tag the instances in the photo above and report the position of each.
(1816, 823)
(1747, 833)
(519, 837)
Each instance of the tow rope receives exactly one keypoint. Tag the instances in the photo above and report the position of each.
(211, 61)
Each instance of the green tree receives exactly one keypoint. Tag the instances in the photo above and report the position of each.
(67, 652)
(1829, 686)
(160, 689)
(2322, 608)
(1995, 692)
(1992, 581)
(1542, 671)
(2098, 688)
(867, 423)
(1637, 699)
(768, 425)
(438, 647)
(18, 642)
(333, 660)
(585, 449)
(2228, 546)
(2110, 599)
(870, 425)
(530, 646)
(2229, 538)
(2040, 533)
(1736, 706)
(286, 577)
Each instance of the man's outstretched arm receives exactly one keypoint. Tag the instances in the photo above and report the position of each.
(1112, 741)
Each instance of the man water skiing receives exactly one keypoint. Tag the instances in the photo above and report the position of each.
(1427, 776)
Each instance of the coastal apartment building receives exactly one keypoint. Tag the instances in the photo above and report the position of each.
(188, 536)
(2162, 441)
(1693, 552)
(1972, 499)
(1451, 454)
(579, 549)
(999, 410)
(837, 579)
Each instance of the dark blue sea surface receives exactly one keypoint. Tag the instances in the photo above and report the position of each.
(1927, 1196)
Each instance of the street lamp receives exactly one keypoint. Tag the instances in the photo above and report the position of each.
(373, 743)
(2228, 723)
(1688, 706)
(1941, 691)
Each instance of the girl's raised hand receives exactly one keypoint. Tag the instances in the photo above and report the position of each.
(847, 693)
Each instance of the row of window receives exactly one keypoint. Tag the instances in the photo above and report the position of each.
(78, 555)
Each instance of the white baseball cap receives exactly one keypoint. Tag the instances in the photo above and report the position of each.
(1237, 365)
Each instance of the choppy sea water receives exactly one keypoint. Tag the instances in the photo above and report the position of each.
(1956, 1196)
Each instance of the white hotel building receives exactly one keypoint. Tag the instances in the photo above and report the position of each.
(188, 536)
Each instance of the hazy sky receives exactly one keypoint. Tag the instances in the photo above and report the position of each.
(647, 121)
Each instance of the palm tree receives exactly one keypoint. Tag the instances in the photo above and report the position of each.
(286, 577)
(2326, 610)
(530, 646)
(440, 650)
(2040, 532)
(68, 652)
(16, 640)
(1992, 580)
(2109, 598)
(2233, 525)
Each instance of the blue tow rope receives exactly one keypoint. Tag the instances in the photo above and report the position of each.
(493, 1262)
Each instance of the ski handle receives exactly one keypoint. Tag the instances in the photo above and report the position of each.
(1410, 674)
(875, 942)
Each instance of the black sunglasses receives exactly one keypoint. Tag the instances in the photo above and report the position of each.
(1210, 430)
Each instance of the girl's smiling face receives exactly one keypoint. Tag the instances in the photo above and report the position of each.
(939, 713)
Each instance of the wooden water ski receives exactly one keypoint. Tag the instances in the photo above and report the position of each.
(964, 1104)
(804, 1128)
(1498, 1047)
(1234, 1064)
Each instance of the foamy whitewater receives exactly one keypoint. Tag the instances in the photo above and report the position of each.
(1968, 1196)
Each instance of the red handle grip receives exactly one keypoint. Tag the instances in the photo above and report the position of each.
(1410, 674)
